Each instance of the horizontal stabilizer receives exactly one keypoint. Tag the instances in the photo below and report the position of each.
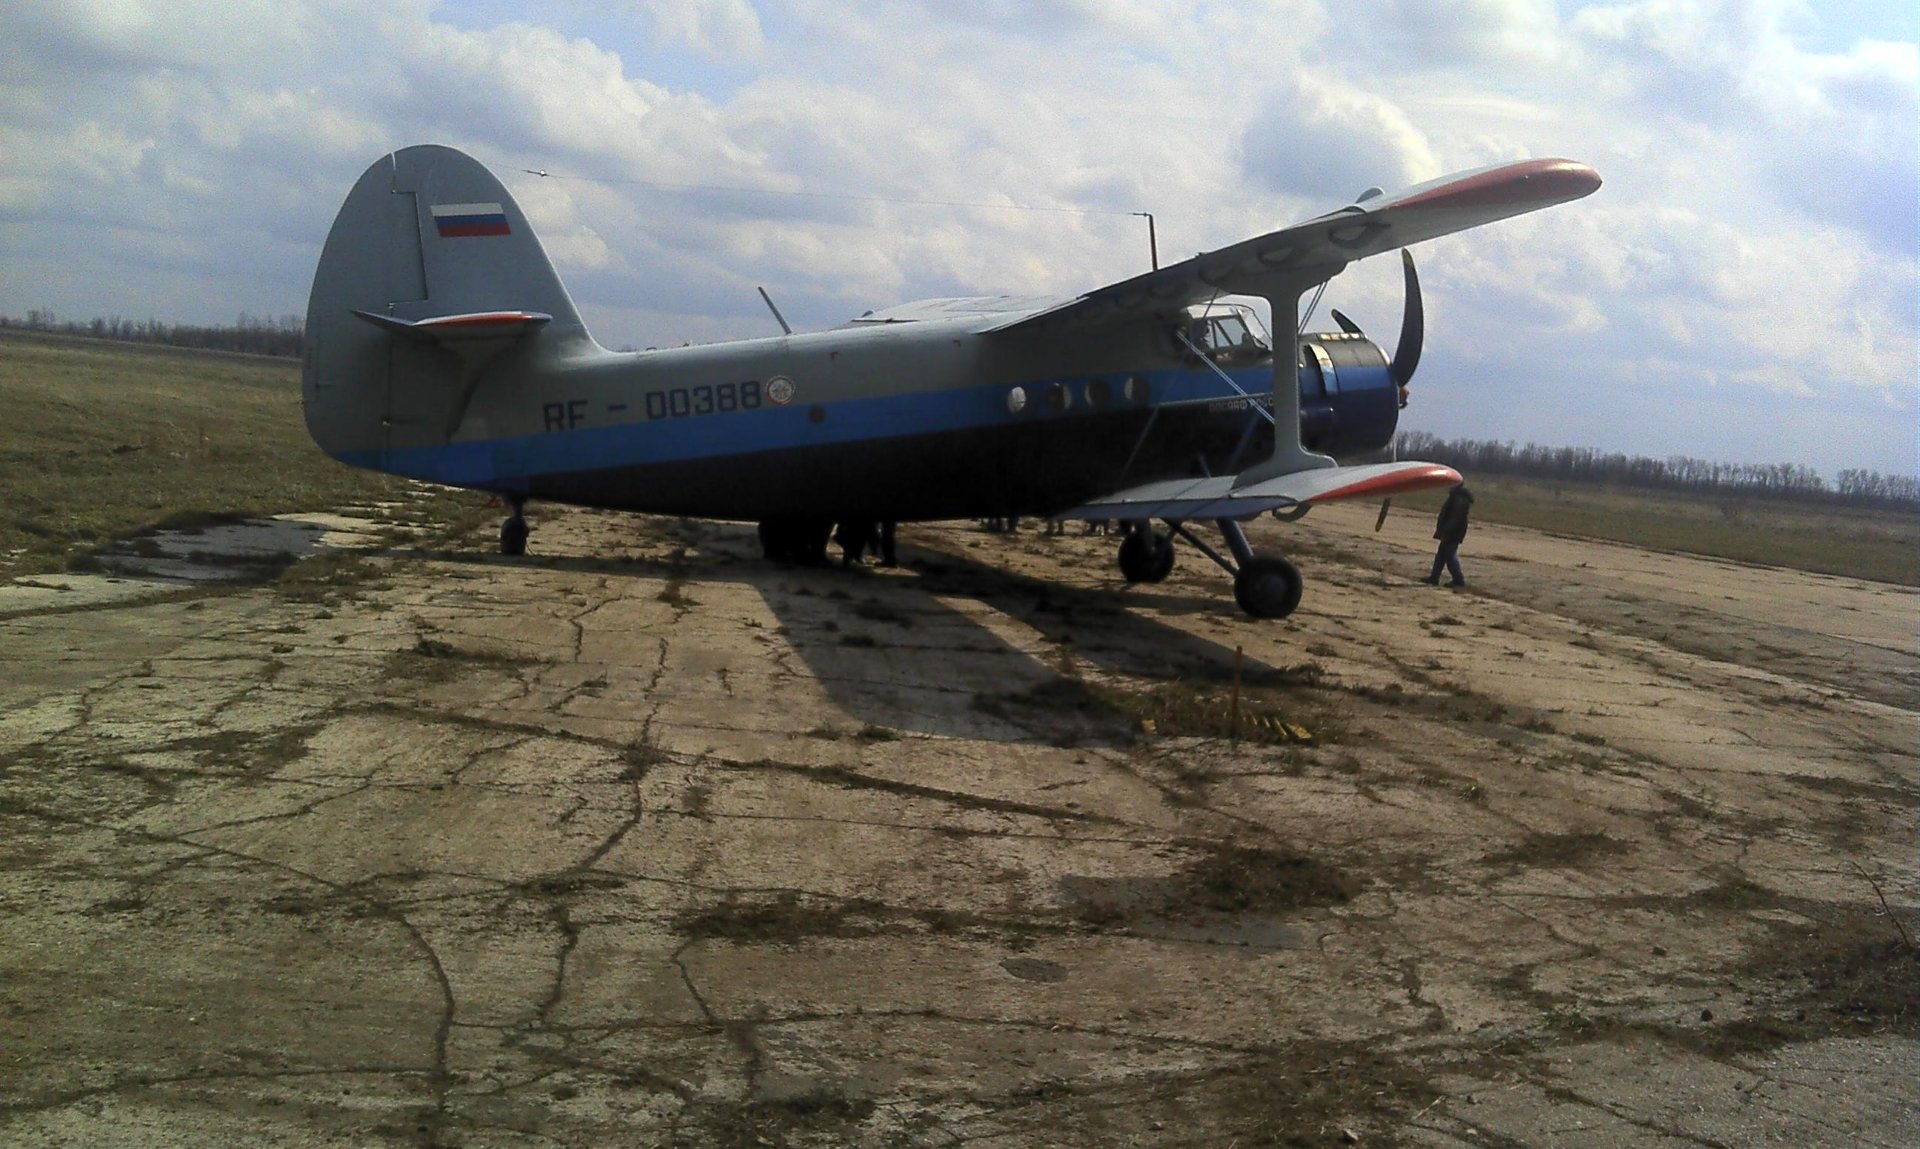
(1221, 498)
(461, 328)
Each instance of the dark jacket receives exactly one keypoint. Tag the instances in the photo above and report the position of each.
(1451, 527)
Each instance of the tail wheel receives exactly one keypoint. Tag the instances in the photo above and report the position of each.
(1267, 587)
(1146, 555)
(513, 536)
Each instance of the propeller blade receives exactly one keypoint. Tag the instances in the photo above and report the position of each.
(1346, 325)
(1413, 327)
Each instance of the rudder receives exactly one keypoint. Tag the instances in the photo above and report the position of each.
(427, 233)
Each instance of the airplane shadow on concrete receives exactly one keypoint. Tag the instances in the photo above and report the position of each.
(907, 651)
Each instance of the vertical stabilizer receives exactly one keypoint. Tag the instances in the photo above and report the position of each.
(426, 233)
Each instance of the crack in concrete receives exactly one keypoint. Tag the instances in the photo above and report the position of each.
(1703, 815)
(437, 1074)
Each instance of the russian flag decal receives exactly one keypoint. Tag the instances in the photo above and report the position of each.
(455, 220)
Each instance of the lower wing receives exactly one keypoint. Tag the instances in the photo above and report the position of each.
(1221, 498)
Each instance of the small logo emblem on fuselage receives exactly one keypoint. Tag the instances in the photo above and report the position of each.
(779, 390)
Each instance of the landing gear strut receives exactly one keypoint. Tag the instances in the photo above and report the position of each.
(1264, 586)
(514, 531)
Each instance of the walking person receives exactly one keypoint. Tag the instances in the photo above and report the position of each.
(1451, 528)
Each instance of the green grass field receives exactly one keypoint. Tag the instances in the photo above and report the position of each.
(104, 440)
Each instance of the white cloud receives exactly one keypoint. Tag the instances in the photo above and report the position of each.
(1755, 238)
(728, 28)
(1326, 140)
(1835, 136)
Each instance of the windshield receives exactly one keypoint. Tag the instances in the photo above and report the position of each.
(1226, 334)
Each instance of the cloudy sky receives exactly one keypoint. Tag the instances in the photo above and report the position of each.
(1743, 288)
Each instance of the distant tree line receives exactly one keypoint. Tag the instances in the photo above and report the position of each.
(1678, 472)
(249, 334)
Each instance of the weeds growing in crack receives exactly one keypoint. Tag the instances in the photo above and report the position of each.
(1225, 880)
(697, 801)
(329, 578)
(674, 593)
(823, 1113)
(253, 753)
(854, 780)
(1568, 1019)
(788, 918)
(570, 882)
(1557, 850)
(640, 756)
(874, 611)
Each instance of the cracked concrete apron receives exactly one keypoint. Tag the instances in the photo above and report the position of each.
(642, 842)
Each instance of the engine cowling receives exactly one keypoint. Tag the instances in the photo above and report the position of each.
(1349, 398)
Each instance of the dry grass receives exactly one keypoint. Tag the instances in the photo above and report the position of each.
(1879, 545)
(106, 440)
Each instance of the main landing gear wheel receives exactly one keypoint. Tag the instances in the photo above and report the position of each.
(1146, 555)
(513, 534)
(795, 540)
(1267, 587)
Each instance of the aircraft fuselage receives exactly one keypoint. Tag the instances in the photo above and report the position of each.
(925, 419)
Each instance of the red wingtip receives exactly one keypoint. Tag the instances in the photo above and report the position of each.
(1534, 183)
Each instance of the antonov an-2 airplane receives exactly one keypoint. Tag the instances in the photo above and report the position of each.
(442, 346)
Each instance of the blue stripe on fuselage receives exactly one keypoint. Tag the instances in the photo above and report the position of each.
(509, 463)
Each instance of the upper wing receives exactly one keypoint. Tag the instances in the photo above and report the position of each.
(1320, 247)
(1219, 498)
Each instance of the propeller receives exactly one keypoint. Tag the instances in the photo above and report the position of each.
(1413, 327)
(1406, 356)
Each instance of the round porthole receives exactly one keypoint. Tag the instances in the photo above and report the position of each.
(1059, 397)
(1137, 391)
(1017, 400)
(1099, 394)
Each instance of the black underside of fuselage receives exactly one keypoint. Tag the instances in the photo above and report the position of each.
(1037, 468)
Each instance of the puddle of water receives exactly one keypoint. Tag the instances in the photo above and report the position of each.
(250, 550)
(225, 552)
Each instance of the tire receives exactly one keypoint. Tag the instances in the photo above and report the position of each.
(1146, 556)
(1267, 587)
(776, 541)
(513, 536)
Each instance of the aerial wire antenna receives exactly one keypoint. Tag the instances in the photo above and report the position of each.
(1153, 239)
(670, 186)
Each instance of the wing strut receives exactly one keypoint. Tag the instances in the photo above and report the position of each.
(1215, 367)
(1282, 292)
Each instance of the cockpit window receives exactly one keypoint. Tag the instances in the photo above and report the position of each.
(1221, 333)
(1225, 337)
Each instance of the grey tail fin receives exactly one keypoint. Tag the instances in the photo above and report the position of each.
(431, 287)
